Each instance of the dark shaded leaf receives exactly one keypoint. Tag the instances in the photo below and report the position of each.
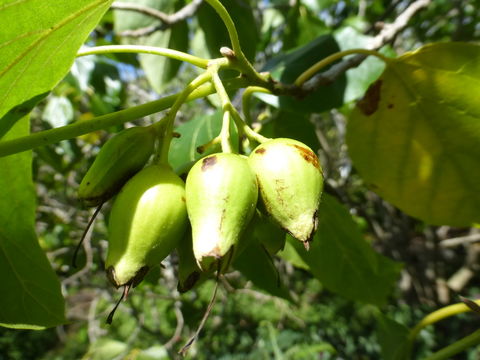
(343, 261)
(216, 34)
(392, 337)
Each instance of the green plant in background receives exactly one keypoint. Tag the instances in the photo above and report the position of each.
(413, 138)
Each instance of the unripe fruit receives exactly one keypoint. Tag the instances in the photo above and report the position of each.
(121, 157)
(290, 183)
(221, 192)
(147, 220)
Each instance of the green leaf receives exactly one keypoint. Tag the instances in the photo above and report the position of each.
(302, 27)
(290, 254)
(392, 337)
(343, 261)
(216, 34)
(159, 70)
(415, 136)
(194, 133)
(32, 298)
(39, 50)
(257, 265)
(287, 67)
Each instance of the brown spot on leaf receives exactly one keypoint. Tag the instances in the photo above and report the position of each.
(260, 151)
(308, 155)
(208, 162)
(390, 106)
(368, 105)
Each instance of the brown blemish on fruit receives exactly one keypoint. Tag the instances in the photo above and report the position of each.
(208, 162)
(308, 155)
(390, 106)
(214, 253)
(260, 151)
(368, 105)
(183, 199)
(222, 218)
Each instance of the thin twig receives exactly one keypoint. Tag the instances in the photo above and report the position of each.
(87, 246)
(177, 335)
(388, 32)
(167, 20)
(461, 240)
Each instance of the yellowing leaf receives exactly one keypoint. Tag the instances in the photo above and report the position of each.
(415, 136)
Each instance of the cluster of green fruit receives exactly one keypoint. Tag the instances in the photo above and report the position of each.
(153, 205)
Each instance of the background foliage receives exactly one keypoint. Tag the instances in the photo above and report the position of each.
(373, 270)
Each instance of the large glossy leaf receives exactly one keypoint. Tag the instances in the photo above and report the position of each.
(287, 67)
(216, 34)
(415, 136)
(159, 70)
(38, 43)
(31, 298)
(343, 261)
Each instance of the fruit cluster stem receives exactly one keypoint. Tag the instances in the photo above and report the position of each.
(142, 49)
(170, 118)
(79, 128)
(242, 62)
(457, 347)
(246, 100)
(436, 316)
(311, 71)
(227, 106)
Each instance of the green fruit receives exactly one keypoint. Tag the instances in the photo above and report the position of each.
(290, 183)
(147, 221)
(120, 158)
(221, 192)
